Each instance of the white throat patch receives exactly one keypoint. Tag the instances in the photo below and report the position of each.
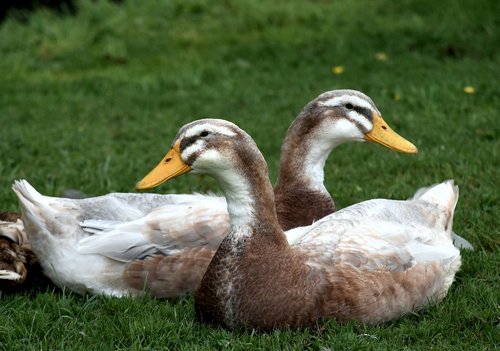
(240, 202)
(236, 188)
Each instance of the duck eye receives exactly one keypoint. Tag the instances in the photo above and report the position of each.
(204, 133)
(349, 106)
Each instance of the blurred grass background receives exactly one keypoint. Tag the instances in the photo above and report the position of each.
(91, 100)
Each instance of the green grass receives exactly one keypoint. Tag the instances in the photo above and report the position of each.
(92, 102)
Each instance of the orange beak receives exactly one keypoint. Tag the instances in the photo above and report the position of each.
(169, 167)
(382, 134)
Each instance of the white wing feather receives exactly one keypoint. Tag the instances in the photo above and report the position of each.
(76, 237)
(203, 221)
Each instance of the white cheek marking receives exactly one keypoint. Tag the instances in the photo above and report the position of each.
(345, 99)
(353, 115)
(206, 160)
(192, 149)
(347, 131)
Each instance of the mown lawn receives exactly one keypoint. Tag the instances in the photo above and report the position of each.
(93, 101)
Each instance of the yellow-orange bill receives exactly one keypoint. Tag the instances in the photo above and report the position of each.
(382, 134)
(169, 167)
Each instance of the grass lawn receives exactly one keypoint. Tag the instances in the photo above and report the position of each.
(93, 101)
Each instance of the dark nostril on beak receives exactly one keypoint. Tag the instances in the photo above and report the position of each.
(168, 159)
(384, 127)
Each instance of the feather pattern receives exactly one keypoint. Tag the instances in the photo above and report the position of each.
(16, 257)
(371, 262)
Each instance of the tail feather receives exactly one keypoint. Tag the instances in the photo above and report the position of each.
(32, 204)
(461, 243)
(25, 192)
(444, 194)
(28, 198)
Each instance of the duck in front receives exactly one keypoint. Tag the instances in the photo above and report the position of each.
(371, 262)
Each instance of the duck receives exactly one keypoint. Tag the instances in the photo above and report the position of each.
(162, 244)
(371, 262)
(16, 256)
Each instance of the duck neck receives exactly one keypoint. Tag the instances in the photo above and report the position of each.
(301, 178)
(250, 202)
(304, 154)
(312, 165)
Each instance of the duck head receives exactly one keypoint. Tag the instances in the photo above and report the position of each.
(333, 118)
(220, 149)
(209, 146)
(340, 116)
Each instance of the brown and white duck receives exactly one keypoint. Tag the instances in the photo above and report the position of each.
(371, 262)
(331, 119)
(16, 256)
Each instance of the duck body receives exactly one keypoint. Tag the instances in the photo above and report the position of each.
(122, 265)
(371, 262)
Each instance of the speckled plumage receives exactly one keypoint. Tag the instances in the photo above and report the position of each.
(9, 216)
(16, 256)
(372, 262)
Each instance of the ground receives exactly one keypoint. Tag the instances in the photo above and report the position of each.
(92, 101)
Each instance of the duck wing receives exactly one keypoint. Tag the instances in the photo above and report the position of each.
(193, 221)
(386, 234)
